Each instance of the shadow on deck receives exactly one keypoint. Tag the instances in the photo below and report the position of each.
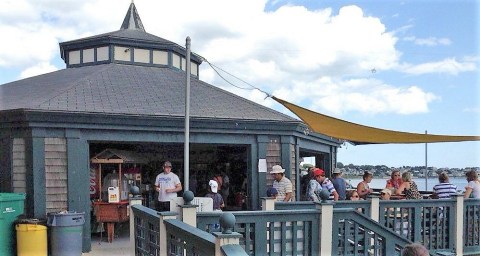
(120, 245)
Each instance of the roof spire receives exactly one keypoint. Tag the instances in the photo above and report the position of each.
(132, 19)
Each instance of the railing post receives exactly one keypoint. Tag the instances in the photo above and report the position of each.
(162, 236)
(222, 239)
(268, 203)
(326, 223)
(133, 201)
(227, 236)
(459, 206)
(375, 209)
(188, 211)
(188, 214)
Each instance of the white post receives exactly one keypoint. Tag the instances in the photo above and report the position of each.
(268, 203)
(133, 201)
(188, 214)
(459, 226)
(162, 236)
(375, 209)
(326, 220)
(224, 239)
(186, 150)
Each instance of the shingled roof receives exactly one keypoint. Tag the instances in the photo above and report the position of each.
(129, 88)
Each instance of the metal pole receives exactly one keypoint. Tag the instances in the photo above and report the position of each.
(186, 151)
(426, 166)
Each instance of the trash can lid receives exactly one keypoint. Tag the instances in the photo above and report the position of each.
(11, 196)
(31, 221)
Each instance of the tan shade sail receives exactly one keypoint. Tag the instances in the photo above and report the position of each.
(360, 134)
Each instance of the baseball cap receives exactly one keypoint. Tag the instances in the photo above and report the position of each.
(213, 186)
(337, 170)
(318, 172)
(272, 192)
(167, 163)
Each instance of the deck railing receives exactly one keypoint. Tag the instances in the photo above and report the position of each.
(360, 235)
(471, 226)
(168, 233)
(291, 232)
(369, 227)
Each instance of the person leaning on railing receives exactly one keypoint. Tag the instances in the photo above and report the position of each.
(473, 187)
(408, 187)
(363, 188)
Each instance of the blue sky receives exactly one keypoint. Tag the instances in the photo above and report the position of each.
(401, 65)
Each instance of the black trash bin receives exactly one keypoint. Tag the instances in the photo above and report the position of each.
(66, 233)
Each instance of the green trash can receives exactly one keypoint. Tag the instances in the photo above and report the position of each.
(11, 206)
(65, 233)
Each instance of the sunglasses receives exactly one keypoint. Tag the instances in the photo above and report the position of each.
(383, 194)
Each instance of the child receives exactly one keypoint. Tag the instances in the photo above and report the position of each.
(272, 192)
(218, 203)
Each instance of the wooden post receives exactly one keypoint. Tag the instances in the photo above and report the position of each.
(375, 209)
(268, 203)
(188, 214)
(224, 239)
(326, 220)
(162, 236)
(459, 225)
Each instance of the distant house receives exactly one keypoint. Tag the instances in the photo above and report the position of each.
(125, 90)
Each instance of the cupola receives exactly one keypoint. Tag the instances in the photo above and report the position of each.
(130, 45)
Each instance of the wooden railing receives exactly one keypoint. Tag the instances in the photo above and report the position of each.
(471, 226)
(168, 233)
(369, 227)
(360, 235)
(289, 232)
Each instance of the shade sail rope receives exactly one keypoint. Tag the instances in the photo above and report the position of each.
(354, 133)
(361, 134)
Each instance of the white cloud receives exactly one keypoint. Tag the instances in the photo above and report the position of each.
(473, 110)
(40, 68)
(430, 41)
(368, 96)
(447, 66)
(295, 53)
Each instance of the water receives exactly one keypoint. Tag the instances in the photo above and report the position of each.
(461, 183)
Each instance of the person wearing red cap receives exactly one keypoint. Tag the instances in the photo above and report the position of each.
(325, 183)
(314, 187)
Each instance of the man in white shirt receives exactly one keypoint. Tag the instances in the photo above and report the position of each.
(167, 184)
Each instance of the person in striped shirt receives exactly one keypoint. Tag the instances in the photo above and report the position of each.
(326, 184)
(444, 189)
(283, 185)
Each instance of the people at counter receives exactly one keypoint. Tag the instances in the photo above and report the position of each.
(167, 184)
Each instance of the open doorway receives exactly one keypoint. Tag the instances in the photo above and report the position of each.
(143, 162)
(309, 159)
